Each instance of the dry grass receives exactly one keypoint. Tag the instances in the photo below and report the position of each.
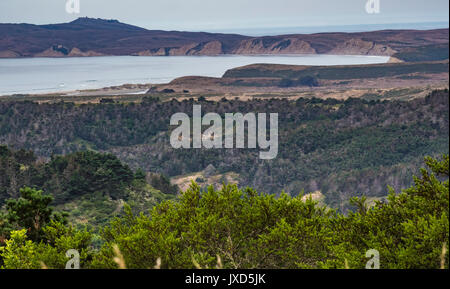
(120, 261)
(43, 266)
(444, 252)
(158, 264)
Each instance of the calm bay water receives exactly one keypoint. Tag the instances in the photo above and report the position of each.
(45, 75)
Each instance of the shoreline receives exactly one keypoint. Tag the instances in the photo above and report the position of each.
(380, 60)
(212, 55)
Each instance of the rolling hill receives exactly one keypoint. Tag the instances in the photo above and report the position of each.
(94, 37)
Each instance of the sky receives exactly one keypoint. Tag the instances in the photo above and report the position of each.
(212, 15)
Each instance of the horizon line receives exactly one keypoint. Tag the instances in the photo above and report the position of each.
(234, 30)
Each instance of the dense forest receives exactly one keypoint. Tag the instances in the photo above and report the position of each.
(341, 148)
(88, 188)
(95, 178)
(238, 228)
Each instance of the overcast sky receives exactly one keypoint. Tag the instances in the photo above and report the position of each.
(227, 14)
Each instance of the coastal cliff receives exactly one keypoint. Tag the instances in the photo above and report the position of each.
(96, 37)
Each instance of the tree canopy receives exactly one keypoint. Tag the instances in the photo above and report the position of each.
(246, 229)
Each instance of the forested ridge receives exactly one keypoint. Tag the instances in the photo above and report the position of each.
(96, 184)
(340, 148)
(239, 228)
(89, 188)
